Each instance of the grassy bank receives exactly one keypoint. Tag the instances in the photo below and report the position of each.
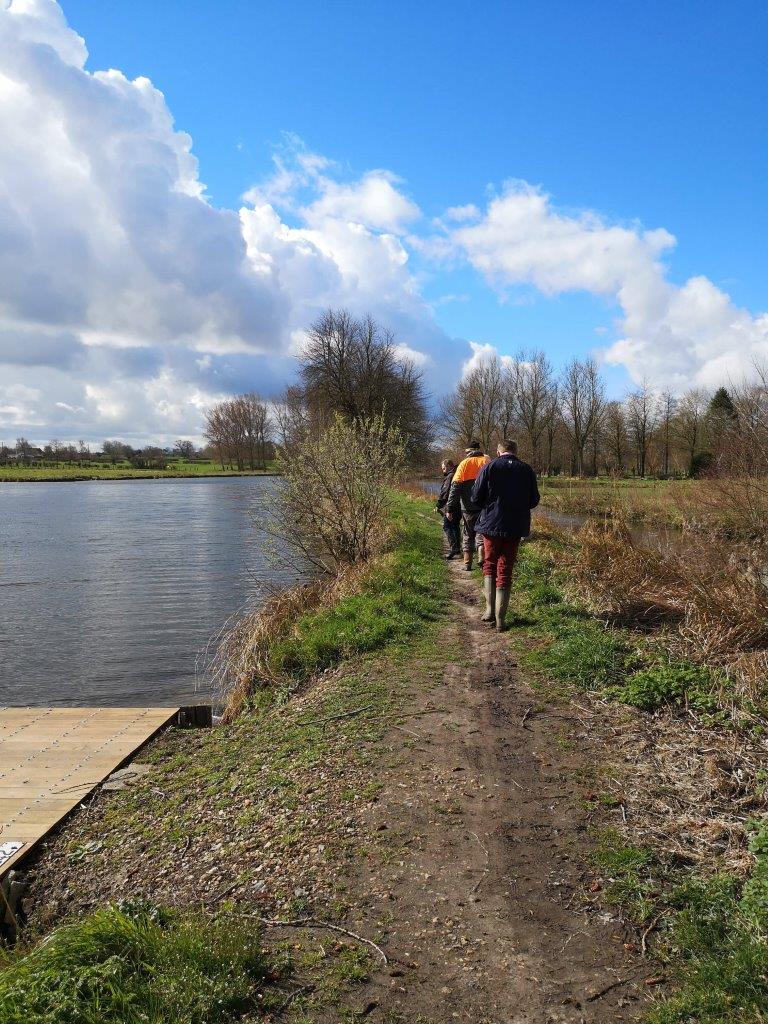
(685, 765)
(141, 965)
(259, 818)
(61, 473)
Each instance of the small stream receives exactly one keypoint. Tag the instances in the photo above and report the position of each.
(659, 536)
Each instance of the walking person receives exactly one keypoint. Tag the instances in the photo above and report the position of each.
(450, 526)
(505, 491)
(460, 505)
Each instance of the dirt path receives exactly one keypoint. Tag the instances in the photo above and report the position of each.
(481, 893)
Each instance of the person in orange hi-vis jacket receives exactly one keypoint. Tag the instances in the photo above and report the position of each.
(460, 504)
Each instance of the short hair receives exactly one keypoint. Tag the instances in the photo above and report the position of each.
(508, 445)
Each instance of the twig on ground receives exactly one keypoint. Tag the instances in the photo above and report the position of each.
(335, 718)
(486, 869)
(225, 892)
(293, 995)
(648, 931)
(606, 989)
(526, 716)
(315, 922)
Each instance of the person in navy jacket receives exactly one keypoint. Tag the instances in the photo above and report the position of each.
(505, 490)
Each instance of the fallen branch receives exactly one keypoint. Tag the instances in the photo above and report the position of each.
(314, 922)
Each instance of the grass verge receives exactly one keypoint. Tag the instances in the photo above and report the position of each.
(302, 632)
(140, 965)
(50, 474)
(713, 927)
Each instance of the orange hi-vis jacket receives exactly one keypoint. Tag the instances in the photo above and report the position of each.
(460, 497)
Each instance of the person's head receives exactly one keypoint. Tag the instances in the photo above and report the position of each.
(447, 465)
(473, 446)
(507, 447)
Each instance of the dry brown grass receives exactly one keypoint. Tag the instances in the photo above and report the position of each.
(710, 597)
(240, 663)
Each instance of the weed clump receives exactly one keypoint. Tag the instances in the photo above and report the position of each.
(681, 684)
(138, 965)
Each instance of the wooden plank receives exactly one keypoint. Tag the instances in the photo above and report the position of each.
(52, 758)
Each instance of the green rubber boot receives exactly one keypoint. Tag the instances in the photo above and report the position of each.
(489, 589)
(502, 603)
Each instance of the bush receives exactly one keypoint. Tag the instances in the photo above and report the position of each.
(137, 965)
(682, 684)
(333, 505)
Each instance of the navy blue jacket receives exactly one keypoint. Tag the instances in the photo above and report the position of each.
(506, 491)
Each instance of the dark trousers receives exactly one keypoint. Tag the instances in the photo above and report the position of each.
(500, 557)
(471, 540)
(451, 529)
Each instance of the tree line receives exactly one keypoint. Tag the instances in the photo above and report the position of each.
(352, 367)
(566, 424)
(112, 452)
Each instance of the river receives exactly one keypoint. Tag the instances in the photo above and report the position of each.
(110, 589)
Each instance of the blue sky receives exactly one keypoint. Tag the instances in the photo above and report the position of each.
(650, 115)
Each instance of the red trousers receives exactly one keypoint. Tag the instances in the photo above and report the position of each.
(499, 555)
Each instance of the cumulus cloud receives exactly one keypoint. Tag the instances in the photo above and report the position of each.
(671, 335)
(129, 302)
(109, 245)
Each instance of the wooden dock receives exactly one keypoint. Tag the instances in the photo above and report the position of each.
(51, 759)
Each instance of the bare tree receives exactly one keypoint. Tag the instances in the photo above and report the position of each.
(184, 449)
(641, 412)
(352, 367)
(582, 393)
(667, 407)
(479, 406)
(615, 437)
(690, 424)
(533, 384)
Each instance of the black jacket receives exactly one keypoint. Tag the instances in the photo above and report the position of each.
(460, 494)
(445, 490)
(506, 491)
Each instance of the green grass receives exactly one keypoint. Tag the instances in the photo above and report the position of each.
(577, 647)
(714, 938)
(122, 471)
(405, 589)
(139, 965)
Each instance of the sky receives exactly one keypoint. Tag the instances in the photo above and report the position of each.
(184, 186)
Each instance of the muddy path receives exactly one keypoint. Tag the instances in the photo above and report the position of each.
(482, 893)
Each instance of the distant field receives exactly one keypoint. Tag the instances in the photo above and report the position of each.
(119, 472)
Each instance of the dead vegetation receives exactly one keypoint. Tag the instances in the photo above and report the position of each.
(709, 598)
(242, 657)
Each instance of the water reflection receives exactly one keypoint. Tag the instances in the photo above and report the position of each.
(109, 589)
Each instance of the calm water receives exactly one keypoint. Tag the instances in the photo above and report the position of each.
(108, 589)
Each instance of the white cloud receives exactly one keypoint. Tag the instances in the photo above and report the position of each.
(129, 293)
(128, 301)
(482, 353)
(460, 213)
(672, 335)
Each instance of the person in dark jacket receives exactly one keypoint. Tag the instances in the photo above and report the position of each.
(505, 491)
(450, 526)
(460, 503)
